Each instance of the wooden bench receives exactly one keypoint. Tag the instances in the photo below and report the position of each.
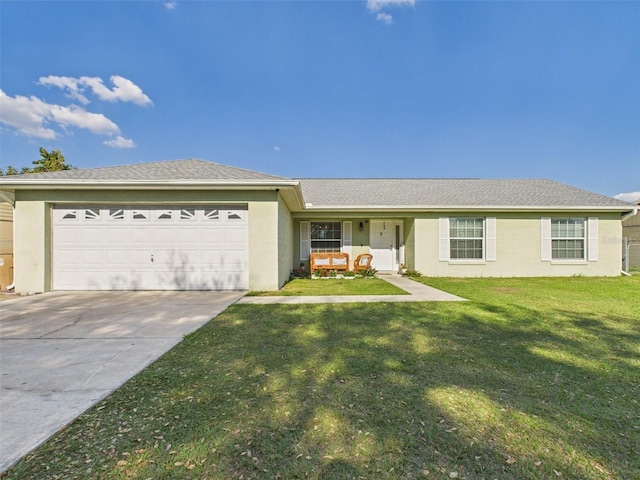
(329, 261)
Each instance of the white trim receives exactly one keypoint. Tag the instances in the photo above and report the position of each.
(490, 236)
(545, 239)
(592, 244)
(347, 229)
(444, 245)
(305, 240)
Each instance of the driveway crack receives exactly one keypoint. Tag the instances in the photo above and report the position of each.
(72, 324)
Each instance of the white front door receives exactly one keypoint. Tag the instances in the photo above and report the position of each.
(386, 244)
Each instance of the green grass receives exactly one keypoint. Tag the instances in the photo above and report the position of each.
(335, 286)
(530, 379)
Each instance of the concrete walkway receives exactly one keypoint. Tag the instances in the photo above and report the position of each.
(418, 292)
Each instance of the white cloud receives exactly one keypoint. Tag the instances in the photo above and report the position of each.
(78, 117)
(276, 148)
(384, 17)
(120, 142)
(377, 5)
(70, 84)
(170, 5)
(630, 197)
(124, 90)
(33, 117)
(28, 115)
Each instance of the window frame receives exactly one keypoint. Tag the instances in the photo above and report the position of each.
(329, 228)
(556, 238)
(458, 238)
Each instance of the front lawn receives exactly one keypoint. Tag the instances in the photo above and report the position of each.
(530, 379)
(334, 286)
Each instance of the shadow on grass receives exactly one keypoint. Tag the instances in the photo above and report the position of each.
(475, 390)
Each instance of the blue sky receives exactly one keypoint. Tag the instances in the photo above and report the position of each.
(330, 89)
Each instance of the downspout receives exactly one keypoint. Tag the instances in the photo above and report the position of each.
(626, 217)
(13, 228)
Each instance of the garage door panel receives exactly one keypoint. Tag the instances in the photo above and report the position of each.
(235, 236)
(116, 257)
(130, 248)
(138, 235)
(94, 235)
(116, 234)
(92, 258)
(231, 264)
(212, 259)
(211, 234)
(190, 235)
(69, 257)
(166, 258)
(68, 234)
(165, 235)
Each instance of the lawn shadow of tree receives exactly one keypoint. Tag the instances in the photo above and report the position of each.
(423, 390)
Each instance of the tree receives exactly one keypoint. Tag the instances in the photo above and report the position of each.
(48, 162)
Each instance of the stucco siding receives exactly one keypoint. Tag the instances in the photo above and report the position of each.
(263, 246)
(518, 249)
(285, 243)
(32, 254)
(409, 244)
(33, 228)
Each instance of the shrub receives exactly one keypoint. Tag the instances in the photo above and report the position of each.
(412, 274)
(300, 272)
(369, 272)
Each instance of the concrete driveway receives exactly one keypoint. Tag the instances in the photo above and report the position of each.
(62, 352)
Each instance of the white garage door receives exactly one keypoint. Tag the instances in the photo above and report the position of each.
(150, 248)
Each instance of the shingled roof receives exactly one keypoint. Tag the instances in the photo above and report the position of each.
(356, 194)
(375, 193)
(168, 171)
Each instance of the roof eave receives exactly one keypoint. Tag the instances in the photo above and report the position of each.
(467, 208)
(147, 184)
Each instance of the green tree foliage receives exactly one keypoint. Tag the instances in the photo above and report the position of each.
(48, 162)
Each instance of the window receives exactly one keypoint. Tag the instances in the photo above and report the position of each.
(567, 238)
(466, 238)
(116, 214)
(326, 236)
(164, 214)
(92, 214)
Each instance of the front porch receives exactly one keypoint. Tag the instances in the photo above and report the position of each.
(384, 238)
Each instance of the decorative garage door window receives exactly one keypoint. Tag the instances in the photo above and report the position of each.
(116, 214)
(210, 214)
(127, 214)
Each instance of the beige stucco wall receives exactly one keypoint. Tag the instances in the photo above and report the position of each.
(518, 246)
(33, 228)
(410, 243)
(285, 243)
(32, 249)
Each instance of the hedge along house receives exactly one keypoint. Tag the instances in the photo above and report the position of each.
(196, 225)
